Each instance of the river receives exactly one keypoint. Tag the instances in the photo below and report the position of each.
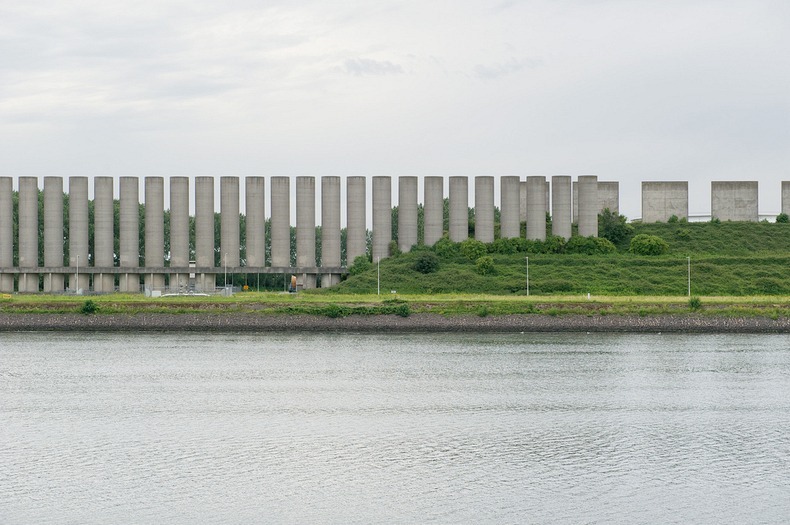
(352, 428)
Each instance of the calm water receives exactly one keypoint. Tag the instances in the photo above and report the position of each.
(523, 428)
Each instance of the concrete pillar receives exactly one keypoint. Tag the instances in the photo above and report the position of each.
(575, 203)
(589, 205)
(433, 210)
(78, 233)
(548, 196)
(53, 232)
(255, 209)
(305, 227)
(154, 231)
(129, 233)
(786, 197)
(179, 232)
(330, 228)
(407, 213)
(536, 208)
(459, 209)
(356, 213)
(28, 232)
(522, 191)
(561, 206)
(204, 232)
(734, 200)
(103, 233)
(484, 209)
(281, 221)
(509, 204)
(229, 226)
(382, 217)
(609, 196)
(6, 233)
(661, 200)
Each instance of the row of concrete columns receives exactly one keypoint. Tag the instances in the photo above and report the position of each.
(129, 257)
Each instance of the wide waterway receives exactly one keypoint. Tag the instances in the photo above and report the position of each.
(361, 428)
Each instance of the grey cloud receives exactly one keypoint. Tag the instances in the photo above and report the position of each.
(366, 66)
(492, 71)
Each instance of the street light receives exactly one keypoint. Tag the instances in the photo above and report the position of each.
(77, 285)
(378, 275)
(688, 258)
(226, 270)
(527, 276)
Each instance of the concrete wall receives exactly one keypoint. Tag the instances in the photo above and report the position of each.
(229, 221)
(589, 205)
(433, 210)
(129, 234)
(204, 231)
(734, 200)
(522, 191)
(786, 197)
(28, 232)
(663, 199)
(305, 227)
(78, 233)
(536, 208)
(53, 232)
(154, 230)
(330, 228)
(459, 209)
(356, 234)
(561, 206)
(609, 196)
(7, 232)
(509, 208)
(281, 221)
(407, 213)
(103, 232)
(179, 231)
(484, 209)
(255, 211)
(382, 217)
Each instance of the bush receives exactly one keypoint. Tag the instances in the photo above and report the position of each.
(482, 311)
(427, 262)
(394, 250)
(589, 246)
(555, 285)
(683, 233)
(673, 219)
(361, 264)
(473, 249)
(782, 218)
(444, 247)
(553, 244)
(644, 244)
(402, 310)
(769, 286)
(504, 246)
(89, 307)
(695, 303)
(485, 265)
(333, 311)
(613, 226)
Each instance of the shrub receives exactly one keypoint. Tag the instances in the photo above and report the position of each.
(89, 307)
(644, 244)
(361, 264)
(695, 303)
(427, 262)
(333, 311)
(503, 246)
(613, 226)
(715, 220)
(402, 310)
(482, 311)
(444, 247)
(589, 246)
(394, 250)
(683, 233)
(673, 219)
(555, 285)
(782, 218)
(553, 244)
(473, 249)
(769, 286)
(484, 265)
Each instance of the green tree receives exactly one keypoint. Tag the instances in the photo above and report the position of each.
(644, 244)
(613, 226)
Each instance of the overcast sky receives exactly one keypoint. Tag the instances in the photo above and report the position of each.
(628, 90)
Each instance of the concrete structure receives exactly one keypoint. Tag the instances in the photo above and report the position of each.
(53, 233)
(459, 209)
(561, 206)
(661, 200)
(484, 209)
(103, 233)
(305, 227)
(154, 231)
(78, 233)
(356, 234)
(407, 213)
(548, 196)
(129, 234)
(330, 228)
(510, 204)
(536, 208)
(522, 191)
(255, 210)
(204, 232)
(7, 233)
(382, 217)
(179, 232)
(589, 205)
(609, 196)
(734, 200)
(433, 210)
(786, 197)
(281, 221)
(28, 232)
(229, 223)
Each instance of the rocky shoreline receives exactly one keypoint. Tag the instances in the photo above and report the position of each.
(251, 322)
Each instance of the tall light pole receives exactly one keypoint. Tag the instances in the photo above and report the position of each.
(688, 258)
(226, 270)
(527, 276)
(77, 285)
(378, 275)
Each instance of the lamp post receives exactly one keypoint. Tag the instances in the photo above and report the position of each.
(378, 275)
(688, 259)
(527, 276)
(226, 271)
(77, 284)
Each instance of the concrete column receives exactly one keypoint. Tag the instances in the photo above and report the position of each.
(661, 200)
(459, 209)
(536, 208)
(575, 202)
(407, 213)
(305, 227)
(6, 233)
(509, 216)
(204, 232)
(433, 210)
(229, 227)
(786, 197)
(330, 228)
(382, 217)
(609, 196)
(588, 205)
(281, 221)
(734, 200)
(78, 233)
(53, 232)
(103, 233)
(179, 232)
(255, 209)
(154, 231)
(548, 196)
(28, 232)
(356, 214)
(522, 191)
(484, 209)
(129, 233)
(561, 206)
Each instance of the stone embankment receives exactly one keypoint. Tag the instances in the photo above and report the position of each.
(251, 322)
